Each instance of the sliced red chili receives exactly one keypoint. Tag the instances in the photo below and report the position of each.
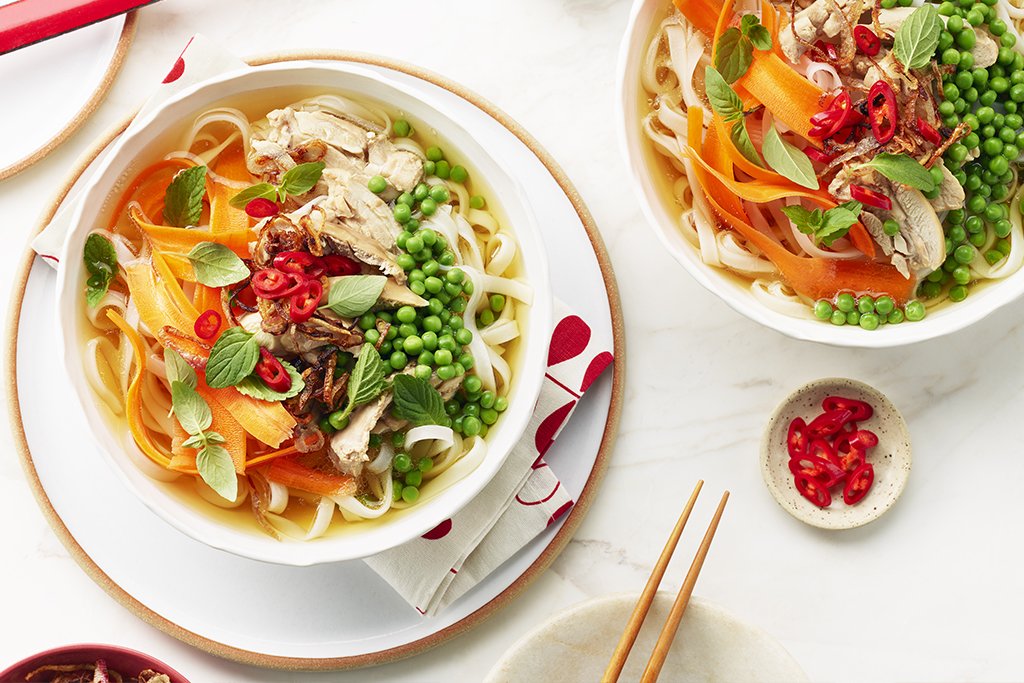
(299, 262)
(828, 423)
(796, 438)
(928, 131)
(858, 484)
(336, 264)
(867, 42)
(860, 409)
(812, 466)
(829, 49)
(207, 324)
(272, 372)
(870, 197)
(243, 300)
(303, 303)
(839, 114)
(863, 439)
(818, 155)
(261, 208)
(882, 112)
(848, 455)
(814, 490)
(271, 283)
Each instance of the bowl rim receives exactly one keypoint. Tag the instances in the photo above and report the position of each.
(92, 650)
(348, 547)
(994, 295)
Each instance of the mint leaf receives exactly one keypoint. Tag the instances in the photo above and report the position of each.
(802, 218)
(733, 56)
(177, 370)
(101, 262)
(723, 99)
(258, 191)
(903, 169)
(217, 266)
(917, 37)
(183, 200)
(301, 179)
(418, 402)
(353, 295)
(741, 138)
(218, 471)
(760, 37)
(837, 222)
(255, 387)
(747, 22)
(232, 358)
(787, 160)
(367, 379)
(189, 407)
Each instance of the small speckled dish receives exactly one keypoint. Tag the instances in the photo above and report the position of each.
(890, 458)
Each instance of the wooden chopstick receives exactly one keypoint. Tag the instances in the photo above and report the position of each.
(668, 631)
(643, 605)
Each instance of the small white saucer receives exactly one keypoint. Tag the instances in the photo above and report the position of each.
(711, 645)
(890, 458)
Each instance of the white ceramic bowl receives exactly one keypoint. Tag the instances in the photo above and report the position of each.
(662, 214)
(133, 150)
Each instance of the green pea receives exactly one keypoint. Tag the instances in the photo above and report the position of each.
(957, 293)
(446, 372)
(998, 165)
(402, 213)
(947, 9)
(477, 202)
(486, 317)
(929, 289)
(371, 337)
(988, 97)
(463, 336)
(895, 318)
(439, 193)
(971, 141)
(466, 360)
(951, 91)
(443, 357)
(951, 56)
(1008, 39)
(471, 426)
(1003, 246)
(964, 254)
(447, 258)
(957, 234)
(853, 317)
(838, 318)
(946, 108)
(401, 128)
(997, 27)
(976, 204)
(822, 309)
(994, 212)
(845, 302)
(501, 404)
(429, 167)
(459, 174)
(497, 302)
(993, 257)
(884, 305)
(487, 399)
(377, 184)
(443, 170)
(974, 224)
(428, 207)
(410, 494)
(489, 416)
(955, 216)
(978, 240)
(869, 321)
(957, 152)
(964, 80)
(434, 154)
(992, 146)
(865, 304)
(413, 345)
(936, 276)
(433, 284)
(1002, 227)
(961, 275)
(891, 227)
(955, 24)
(966, 60)
(413, 478)
(402, 462)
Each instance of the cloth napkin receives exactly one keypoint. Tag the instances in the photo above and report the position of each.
(522, 500)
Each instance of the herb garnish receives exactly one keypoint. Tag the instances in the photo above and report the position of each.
(183, 200)
(232, 358)
(177, 369)
(903, 169)
(917, 37)
(297, 180)
(788, 161)
(735, 50)
(729, 106)
(353, 295)
(417, 401)
(101, 262)
(825, 227)
(256, 388)
(367, 379)
(212, 460)
(217, 266)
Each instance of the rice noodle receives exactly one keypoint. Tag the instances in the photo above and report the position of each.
(441, 434)
(321, 520)
(214, 498)
(383, 460)
(352, 508)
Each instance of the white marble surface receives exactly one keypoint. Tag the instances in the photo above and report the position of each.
(930, 592)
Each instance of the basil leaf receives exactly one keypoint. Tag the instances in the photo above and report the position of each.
(217, 266)
(787, 160)
(101, 262)
(302, 178)
(218, 471)
(760, 37)
(232, 358)
(200, 440)
(183, 201)
(177, 369)
(802, 218)
(258, 191)
(213, 437)
(256, 388)
(733, 56)
(418, 402)
(367, 378)
(836, 224)
(917, 37)
(741, 138)
(189, 407)
(353, 295)
(903, 169)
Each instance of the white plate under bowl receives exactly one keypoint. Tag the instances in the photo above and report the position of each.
(226, 613)
(711, 645)
(58, 82)
(891, 458)
(662, 213)
(277, 85)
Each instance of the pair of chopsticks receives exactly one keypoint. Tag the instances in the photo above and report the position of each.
(643, 605)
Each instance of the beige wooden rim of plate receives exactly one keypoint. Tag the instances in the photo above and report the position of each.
(116, 61)
(510, 593)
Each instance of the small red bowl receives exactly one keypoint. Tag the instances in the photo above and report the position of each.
(127, 662)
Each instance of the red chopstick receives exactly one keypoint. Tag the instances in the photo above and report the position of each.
(30, 21)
